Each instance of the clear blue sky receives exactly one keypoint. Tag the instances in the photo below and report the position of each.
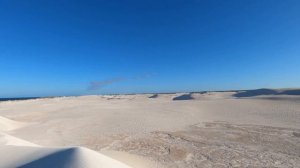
(74, 47)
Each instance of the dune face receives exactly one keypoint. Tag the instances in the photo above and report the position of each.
(154, 96)
(184, 97)
(263, 92)
(258, 128)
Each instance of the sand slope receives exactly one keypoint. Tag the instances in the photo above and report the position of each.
(7, 124)
(16, 152)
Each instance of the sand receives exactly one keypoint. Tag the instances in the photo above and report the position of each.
(16, 152)
(207, 129)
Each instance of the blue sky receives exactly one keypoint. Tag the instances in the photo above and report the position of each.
(51, 48)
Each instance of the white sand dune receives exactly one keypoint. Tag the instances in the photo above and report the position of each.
(16, 152)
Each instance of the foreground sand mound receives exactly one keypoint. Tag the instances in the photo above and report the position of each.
(16, 152)
(40, 157)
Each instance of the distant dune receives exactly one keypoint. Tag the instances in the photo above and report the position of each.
(261, 92)
(234, 94)
(154, 96)
(184, 97)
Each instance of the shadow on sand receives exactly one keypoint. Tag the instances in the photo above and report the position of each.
(63, 158)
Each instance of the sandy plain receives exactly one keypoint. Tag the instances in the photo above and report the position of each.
(259, 128)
